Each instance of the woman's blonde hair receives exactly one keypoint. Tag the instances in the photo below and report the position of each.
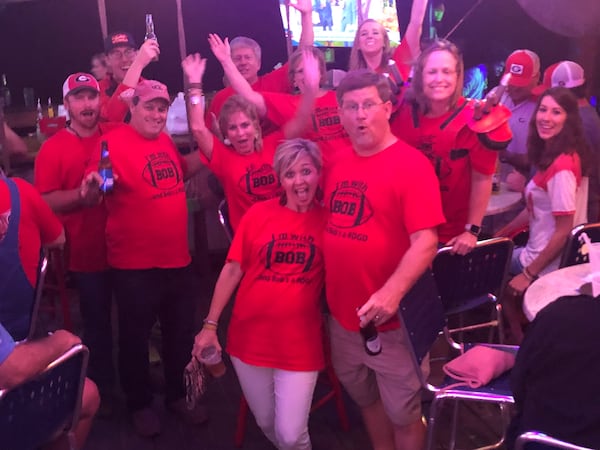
(357, 59)
(237, 103)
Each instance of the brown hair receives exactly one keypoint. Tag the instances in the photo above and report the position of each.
(357, 59)
(237, 103)
(290, 150)
(364, 78)
(569, 140)
(416, 94)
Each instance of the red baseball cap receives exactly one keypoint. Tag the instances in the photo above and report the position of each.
(523, 66)
(546, 80)
(148, 90)
(79, 81)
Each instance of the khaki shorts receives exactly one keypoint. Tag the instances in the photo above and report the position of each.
(389, 375)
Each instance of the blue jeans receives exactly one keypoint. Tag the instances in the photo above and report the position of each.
(95, 300)
(142, 296)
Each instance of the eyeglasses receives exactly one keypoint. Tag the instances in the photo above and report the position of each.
(117, 54)
(354, 107)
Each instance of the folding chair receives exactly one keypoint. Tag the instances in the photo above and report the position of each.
(467, 282)
(56, 285)
(45, 406)
(531, 437)
(39, 289)
(572, 253)
(423, 315)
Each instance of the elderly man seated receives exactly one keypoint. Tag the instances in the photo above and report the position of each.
(19, 362)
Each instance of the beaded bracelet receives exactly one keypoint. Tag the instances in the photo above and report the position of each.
(210, 324)
(194, 86)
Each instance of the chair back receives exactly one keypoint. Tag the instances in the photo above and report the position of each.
(531, 440)
(39, 289)
(422, 318)
(43, 407)
(224, 219)
(572, 253)
(468, 281)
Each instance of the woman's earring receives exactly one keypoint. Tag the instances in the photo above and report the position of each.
(226, 141)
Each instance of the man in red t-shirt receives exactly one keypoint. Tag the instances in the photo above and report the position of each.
(126, 64)
(147, 250)
(59, 176)
(26, 225)
(384, 208)
(246, 55)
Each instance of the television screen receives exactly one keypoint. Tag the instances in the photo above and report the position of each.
(335, 21)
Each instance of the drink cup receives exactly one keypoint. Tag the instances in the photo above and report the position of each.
(211, 358)
(594, 254)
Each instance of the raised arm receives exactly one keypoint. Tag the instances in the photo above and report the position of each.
(307, 37)
(193, 68)
(237, 82)
(297, 125)
(415, 26)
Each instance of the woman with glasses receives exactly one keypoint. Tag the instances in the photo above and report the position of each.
(436, 119)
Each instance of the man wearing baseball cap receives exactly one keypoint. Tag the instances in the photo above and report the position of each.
(59, 176)
(126, 64)
(523, 72)
(571, 75)
(147, 250)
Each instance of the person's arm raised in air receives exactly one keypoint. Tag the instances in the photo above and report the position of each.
(297, 125)
(307, 36)
(414, 30)
(193, 68)
(15, 145)
(238, 83)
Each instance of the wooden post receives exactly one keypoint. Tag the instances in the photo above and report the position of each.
(102, 15)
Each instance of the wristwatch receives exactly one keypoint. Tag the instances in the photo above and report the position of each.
(473, 229)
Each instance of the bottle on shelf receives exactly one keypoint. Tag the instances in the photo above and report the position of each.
(50, 108)
(105, 170)
(5, 92)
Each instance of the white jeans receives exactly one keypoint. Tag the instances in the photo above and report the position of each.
(280, 401)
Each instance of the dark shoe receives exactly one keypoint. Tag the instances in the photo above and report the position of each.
(146, 423)
(196, 416)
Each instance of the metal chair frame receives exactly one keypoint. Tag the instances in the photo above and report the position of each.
(424, 318)
(541, 438)
(467, 282)
(572, 254)
(45, 406)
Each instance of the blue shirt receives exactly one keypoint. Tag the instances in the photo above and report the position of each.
(7, 344)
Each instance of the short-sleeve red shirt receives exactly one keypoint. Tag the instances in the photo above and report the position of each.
(147, 218)
(453, 154)
(246, 179)
(60, 165)
(276, 319)
(375, 203)
(326, 127)
(38, 225)
(274, 81)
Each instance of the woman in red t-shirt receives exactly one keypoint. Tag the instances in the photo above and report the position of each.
(243, 161)
(274, 337)
(435, 118)
(372, 50)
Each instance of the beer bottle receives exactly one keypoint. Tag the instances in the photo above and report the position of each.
(371, 339)
(50, 108)
(105, 170)
(150, 34)
(5, 92)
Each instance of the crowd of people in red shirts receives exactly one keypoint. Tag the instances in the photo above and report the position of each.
(349, 191)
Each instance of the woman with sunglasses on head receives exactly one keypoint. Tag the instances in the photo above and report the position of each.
(436, 119)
